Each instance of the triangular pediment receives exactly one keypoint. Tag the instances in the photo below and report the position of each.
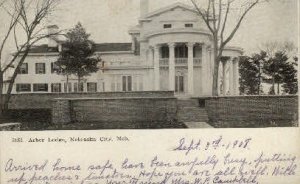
(170, 8)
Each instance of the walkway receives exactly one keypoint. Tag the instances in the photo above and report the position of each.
(198, 125)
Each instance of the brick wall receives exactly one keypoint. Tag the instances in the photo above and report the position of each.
(44, 101)
(249, 111)
(100, 110)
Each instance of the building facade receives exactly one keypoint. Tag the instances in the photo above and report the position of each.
(171, 50)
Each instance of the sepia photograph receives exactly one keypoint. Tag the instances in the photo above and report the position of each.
(148, 64)
(149, 92)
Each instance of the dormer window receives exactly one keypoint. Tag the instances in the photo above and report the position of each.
(167, 26)
(189, 25)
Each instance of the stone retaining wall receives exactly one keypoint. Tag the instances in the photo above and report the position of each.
(134, 109)
(247, 111)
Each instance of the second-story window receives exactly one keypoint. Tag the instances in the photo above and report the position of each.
(54, 68)
(164, 52)
(189, 25)
(40, 68)
(23, 69)
(167, 26)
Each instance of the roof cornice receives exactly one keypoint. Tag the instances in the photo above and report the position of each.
(148, 16)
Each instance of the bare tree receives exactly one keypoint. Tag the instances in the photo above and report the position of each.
(217, 16)
(271, 47)
(27, 18)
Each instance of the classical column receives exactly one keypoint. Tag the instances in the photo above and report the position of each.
(156, 68)
(210, 61)
(150, 56)
(224, 77)
(204, 70)
(236, 76)
(172, 67)
(190, 68)
(231, 77)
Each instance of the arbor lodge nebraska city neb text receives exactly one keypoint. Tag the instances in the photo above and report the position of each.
(171, 50)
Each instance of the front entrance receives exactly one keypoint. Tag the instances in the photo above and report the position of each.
(179, 84)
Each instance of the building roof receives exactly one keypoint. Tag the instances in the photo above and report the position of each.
(168, 8)
(112, 47)
(43, 49)
(103, 47)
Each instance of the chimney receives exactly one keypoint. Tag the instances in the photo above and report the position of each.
(144, 7)
(52, 29)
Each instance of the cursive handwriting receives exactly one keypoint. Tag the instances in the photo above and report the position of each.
(190, 161)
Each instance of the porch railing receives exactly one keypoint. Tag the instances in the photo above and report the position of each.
(181, 61)
(164, 62)
(197, 61)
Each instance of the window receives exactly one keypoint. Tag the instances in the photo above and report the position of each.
(127, 83)
(181, 51)
(76, 89)
(69, 87)
(23, 69)
(40, 87)
(56, 88)
(189, 25)
(40, 68)
(92, 87)
(164, 52)
(166, 26)
(23, 88)
(54, 68)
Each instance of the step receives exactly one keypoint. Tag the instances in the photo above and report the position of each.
(192, 114)
(188, 103)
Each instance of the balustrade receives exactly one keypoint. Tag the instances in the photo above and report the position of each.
(181, 61)
(164, 62)
(197, 61)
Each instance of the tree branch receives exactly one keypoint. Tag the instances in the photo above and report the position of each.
(206, 20)
(239, 23)
(220, 15)
(225, 21)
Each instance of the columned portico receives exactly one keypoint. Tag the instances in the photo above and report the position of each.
(185, 69)
(230, 77)
(185, 57)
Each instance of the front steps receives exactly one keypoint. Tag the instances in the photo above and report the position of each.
(188, 110)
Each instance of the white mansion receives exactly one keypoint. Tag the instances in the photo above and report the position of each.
(171, 50)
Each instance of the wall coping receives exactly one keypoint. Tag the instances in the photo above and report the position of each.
(93, 93)
(116, 98)
(247, 96)
(9, 124)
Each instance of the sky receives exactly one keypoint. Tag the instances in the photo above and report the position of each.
(109, 20)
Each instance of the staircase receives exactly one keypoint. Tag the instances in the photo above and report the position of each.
(188, 110)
